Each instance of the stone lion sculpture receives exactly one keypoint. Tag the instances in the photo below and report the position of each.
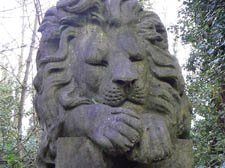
(105, 73)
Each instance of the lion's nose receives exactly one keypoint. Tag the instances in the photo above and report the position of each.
(129, 82)
(124, 73)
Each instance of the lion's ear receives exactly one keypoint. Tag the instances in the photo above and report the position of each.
(184, 118)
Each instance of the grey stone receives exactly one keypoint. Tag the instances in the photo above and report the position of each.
(78, 152)
(108, 89)
(182, 156)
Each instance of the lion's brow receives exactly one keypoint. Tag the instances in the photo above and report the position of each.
(99, 54)
(132, 48)
(136, 52)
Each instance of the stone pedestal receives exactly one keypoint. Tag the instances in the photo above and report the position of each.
(182, 156)
(78, 152)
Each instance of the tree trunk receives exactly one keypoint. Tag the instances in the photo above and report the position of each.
(20, 64)
(24, 89)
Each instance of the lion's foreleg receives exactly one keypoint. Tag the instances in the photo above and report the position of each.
(155, 143)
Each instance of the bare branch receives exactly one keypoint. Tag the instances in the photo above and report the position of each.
(11, 49)
(11, 74)
(24, 88)
(8, 10)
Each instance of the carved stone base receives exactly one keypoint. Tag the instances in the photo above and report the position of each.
(182, 156)
(80, 152)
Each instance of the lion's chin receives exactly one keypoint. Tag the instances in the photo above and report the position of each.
(126, 103)
(114, 103)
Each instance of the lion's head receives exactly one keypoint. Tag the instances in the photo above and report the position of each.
(107, 52)
(110, 67)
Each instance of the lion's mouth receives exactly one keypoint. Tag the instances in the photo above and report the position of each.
(117, 97)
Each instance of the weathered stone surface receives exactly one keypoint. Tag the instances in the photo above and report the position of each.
(182, 156)
(78, 152)
(105, 74)
(81, 152)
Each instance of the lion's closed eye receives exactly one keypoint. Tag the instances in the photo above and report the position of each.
(136, 58)
(94, 62)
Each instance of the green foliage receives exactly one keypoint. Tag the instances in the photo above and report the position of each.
(9, 104)
(208, 132)
(202, 24)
